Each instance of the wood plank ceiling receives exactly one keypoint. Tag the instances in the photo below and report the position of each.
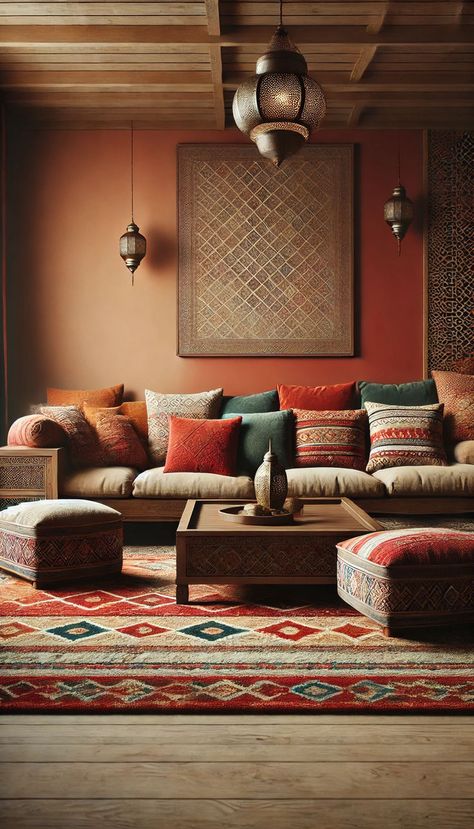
(166, 65)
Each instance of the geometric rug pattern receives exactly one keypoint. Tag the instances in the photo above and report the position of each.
(123, 645)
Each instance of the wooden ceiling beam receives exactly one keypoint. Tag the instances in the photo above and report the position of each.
(363, 62)
(213, 17)
(237, 36)
(215, 55)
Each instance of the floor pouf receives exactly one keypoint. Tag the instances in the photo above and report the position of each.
(409, 578)
(57, 540)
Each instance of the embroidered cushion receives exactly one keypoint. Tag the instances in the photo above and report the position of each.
(135, 411)
(205, 404)
(456, 391)
(265, 401)
(317, 398)
(83, 446)
(119, 442)
(111, 396)
(36, 431)
(427, 545)
(202, 445)
(419, 393)
(405, 436)
(256, 430)
(331, 438)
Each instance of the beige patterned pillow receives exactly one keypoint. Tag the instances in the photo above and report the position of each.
(204, 404)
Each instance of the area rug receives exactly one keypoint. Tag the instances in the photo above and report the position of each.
(124, 646)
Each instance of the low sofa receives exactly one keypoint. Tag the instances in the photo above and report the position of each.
(155, 495)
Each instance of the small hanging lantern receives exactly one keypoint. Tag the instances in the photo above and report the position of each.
(398, 210)
(279, 105)
(132, 243)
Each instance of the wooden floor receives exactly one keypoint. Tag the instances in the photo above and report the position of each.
(275, 772)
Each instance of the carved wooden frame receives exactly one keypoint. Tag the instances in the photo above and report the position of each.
(213, 278)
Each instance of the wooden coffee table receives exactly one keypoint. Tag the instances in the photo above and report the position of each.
(212, 550)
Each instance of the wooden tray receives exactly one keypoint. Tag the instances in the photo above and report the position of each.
(236, 514)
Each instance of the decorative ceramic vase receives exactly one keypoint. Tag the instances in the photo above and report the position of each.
(271, 485)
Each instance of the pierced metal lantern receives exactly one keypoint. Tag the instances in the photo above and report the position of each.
(398, 213)
(132, 247)
(280, 105)
(271, 485)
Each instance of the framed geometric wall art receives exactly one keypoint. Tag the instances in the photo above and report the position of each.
(265, 253)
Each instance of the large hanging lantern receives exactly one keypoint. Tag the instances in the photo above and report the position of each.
(280, 105)
(132, 243)
(398, 213)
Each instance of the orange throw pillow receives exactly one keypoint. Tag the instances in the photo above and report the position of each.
(134, 410)
(82, 444)
(119, 442)
(456, 391)
(111, 396)
(202, 445)
(317, 398)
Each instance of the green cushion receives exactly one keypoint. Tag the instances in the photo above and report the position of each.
(265, 401)
(418, 393)
(256, 429)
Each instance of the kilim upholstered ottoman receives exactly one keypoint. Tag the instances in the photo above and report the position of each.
(409, 578)
(54, 540)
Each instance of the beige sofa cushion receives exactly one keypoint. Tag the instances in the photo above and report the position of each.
(331, 481)
(464, 451)
(154, 483)
(422, 481)
(98, 482)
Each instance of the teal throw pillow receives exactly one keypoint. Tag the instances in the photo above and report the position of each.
(256, 429)
(418, 393)
(265, 401)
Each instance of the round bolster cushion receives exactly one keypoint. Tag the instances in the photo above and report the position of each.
(36, 431)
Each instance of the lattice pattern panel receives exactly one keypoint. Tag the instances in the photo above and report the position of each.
(23, 473)
(266, 259)
(281, 556)
(450, 248)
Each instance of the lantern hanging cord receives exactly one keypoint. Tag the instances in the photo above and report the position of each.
(131, 164)
(281, 14)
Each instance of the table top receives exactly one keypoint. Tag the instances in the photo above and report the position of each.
(319, 515)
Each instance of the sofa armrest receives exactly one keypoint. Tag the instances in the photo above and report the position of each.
(464, 451)
(28, 474)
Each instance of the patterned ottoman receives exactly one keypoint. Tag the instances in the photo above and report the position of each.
(410, 577)
(51, 541)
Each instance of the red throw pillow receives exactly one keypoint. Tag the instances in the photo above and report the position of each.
(37, 431)
(119, 442)
(317, 398)
(202, 445)
(331, 438)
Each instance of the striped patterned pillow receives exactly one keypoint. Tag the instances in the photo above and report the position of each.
(405, 436)
(331, 438)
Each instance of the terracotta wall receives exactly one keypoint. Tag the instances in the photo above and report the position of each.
(75, 320)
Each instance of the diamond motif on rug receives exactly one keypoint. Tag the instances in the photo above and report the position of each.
(289, 630)
(93, 600)
(353, 631)
(9, 631)
(77, 630)
(371, 691)
(317, 691)
(211, 631)
(140, 630)
(151, 600)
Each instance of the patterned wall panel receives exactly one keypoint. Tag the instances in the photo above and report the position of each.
(450, 248)
(265, 254)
